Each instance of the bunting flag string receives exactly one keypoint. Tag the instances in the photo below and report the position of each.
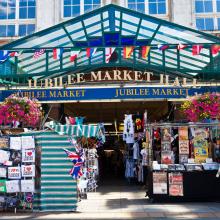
(74, 54)
(127, 51)
(57, 53)
(90, 52)
(108, 53)
(145, 51)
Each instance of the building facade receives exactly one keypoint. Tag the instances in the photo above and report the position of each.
(19, 18)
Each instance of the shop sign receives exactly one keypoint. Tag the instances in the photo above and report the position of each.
(110, 76)
(108, 93)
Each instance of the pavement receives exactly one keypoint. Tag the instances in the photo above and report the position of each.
(120, 200)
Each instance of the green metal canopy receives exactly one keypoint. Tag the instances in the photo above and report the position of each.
(113, 26)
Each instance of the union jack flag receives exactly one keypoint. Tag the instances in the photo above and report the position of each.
(72, 155)
(75, 171)
(38, 53)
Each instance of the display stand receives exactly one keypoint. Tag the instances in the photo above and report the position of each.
(185, 182)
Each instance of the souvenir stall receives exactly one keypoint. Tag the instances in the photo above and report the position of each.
(186, 156)
(17, 153)
(85, 139)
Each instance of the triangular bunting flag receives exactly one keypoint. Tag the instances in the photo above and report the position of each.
(57, 53)
(145, 51)
(3, 55)
(181, 46)
(38, 53)
(196, 49)
(90, 52)
(74, 54)
(108, 52)
(127, 51)
(162, 47)
(15, 53)
(215, 49)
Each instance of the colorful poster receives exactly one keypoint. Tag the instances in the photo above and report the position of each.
(3, 172)
(2, 186)
(27, 185)
(166, 135)
(167, 157)
(27, 142)
(28, 155)
(176, 190)
(160, 183)
(184, 147)
(12, 186)
(200, 144)
(183, 133)
(15, 143)
(4, 156)
(14, 172)
(183, 158)
(4, 142)
(175, 184)
(28, 170)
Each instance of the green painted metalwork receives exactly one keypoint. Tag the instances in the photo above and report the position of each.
(83, 31)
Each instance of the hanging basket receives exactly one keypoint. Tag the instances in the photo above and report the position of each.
(20, 109)
(202, 108)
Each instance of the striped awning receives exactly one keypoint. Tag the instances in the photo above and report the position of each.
(77, 130)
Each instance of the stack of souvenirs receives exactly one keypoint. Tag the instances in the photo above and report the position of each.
(17, 172)
(85, 159)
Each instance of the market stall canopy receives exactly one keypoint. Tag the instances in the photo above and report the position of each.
(78, 130)
(113, 26)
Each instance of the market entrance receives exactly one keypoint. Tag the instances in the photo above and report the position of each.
(113, 154)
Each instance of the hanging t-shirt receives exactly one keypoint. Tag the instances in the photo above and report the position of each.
(128, 134)
(138, 123)
(144, 154)
(136, 151)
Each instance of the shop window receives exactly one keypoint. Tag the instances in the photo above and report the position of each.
(27, 9)
(218, 5)
(137, 5)
(90, 5)
(26, 29)
(7, 30)
(205, 24)
(157, 6)
(203, 6)
(7, 9)
(71, 8)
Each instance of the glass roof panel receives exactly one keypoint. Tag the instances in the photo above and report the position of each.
(103, 26)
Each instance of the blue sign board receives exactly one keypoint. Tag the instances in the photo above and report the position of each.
(107, 93)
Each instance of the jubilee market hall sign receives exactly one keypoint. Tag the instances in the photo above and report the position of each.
(47, 91)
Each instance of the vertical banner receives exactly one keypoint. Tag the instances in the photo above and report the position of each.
(200, 145)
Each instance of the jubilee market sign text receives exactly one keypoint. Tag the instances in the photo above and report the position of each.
(105, 76)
